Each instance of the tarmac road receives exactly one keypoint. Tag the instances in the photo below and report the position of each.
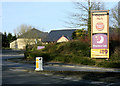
(18, 74)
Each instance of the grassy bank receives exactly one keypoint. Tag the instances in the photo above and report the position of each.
(70, 52)
(74, 52)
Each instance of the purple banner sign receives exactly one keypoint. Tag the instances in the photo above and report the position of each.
(99, 41)
(40, 47)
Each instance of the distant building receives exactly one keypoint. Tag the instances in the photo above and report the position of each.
(34, 35)
(31, 37)
(59, 36)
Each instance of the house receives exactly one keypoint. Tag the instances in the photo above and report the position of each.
(30, 37)
(59, 36)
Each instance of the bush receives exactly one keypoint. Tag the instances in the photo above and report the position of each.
(73, 47)
(50, 48)
(33, 55)
(67, 52)
(58, 59)
(75, 52)
(83, 60)
(87, 61)
(116, 55)
(63, 58)
(109, 64)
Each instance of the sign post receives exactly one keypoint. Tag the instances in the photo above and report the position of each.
(100, 34)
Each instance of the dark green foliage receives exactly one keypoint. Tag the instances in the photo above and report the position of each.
(76, 52)
(111, 64)
(83, 60)
(9, 37)
(79, 34)
(114, 46)
(6, 39)
(33, 55)
(87, 61)
(14, 38)
(116, 55)
(33, 47)
(73, 47)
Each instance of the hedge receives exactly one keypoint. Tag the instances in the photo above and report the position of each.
(109, 64)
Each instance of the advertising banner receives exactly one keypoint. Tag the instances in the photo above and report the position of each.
(99, 53)
(100, 34)
(40, 47)
(100, 22)
(99, 41)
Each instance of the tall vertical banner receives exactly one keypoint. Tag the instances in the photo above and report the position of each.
(100, 34)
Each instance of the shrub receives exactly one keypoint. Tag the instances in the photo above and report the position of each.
(114, 40)
(109, 64)
(87, 61)
(33, 55)
(26, 54)
(66, 52)
(116, 55)
(74, 47)
(67, 58)
(59, 59)
(83, 60)
(63, 58)
(50, 48)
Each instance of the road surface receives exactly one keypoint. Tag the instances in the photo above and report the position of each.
(18, 74)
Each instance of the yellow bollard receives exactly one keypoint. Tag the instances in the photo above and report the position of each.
(39, 64)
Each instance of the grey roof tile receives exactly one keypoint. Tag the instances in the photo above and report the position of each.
(54, 35)
(34, 33)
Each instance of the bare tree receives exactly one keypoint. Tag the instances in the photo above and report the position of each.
(31, 40)
(22, 29)
(116, 22)
(83, 16)
(115, 17)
